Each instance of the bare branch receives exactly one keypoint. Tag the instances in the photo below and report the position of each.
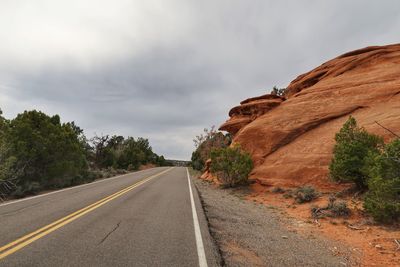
(390, 131)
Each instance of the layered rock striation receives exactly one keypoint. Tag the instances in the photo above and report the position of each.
(291, 139)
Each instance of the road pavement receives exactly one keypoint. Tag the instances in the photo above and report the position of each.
(147, 218)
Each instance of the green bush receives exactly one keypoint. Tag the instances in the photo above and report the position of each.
(353, 145)
(27, 188)
(47, 153)
(231, 165)
(363, 158)
(305, 194)
(383, 198)
(278, 91)
(39, 152)
(197, 162)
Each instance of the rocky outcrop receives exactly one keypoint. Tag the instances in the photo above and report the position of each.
(249, 110)
(291, 140)
(207, 175)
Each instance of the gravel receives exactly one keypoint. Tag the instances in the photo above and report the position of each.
(251, 234)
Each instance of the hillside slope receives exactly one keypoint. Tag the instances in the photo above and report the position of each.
(291, 139)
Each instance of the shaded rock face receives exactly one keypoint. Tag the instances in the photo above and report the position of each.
(291, 140)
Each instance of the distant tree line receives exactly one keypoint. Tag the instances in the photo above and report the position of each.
(122, 153)
(40, 152)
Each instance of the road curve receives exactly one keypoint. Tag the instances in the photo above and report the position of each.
(147, 218)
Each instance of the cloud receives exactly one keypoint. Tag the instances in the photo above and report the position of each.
(167, 69)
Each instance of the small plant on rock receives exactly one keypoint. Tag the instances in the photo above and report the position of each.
(278, 91)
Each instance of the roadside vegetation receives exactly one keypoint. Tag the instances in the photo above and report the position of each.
(39, 152)
(301, 195)
(333, 209)
(231, 165)
(373, 166)
(352, 154)
(214, 152)
(305, 194)
(204, 143)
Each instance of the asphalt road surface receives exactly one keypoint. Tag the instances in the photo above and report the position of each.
(147, 218)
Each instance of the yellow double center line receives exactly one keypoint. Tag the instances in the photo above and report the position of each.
(18, 244)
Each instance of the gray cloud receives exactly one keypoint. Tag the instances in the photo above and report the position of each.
(167, 69)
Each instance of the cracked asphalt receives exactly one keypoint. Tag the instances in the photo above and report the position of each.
(151, 225)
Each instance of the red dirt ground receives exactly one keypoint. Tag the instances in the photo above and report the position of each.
(371, 245)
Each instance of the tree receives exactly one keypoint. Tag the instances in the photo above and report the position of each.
(161, 161)
(278, 91)
(197, 162)
(132, 154)
(231, 165)
(8, 173)
(353, 145)
(204, 143)
(37, 152)
(85, 143)
(101, 153)
(48, 153)
(383, 198)
(120, 153)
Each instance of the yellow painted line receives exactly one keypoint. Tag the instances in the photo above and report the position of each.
(58, 221)
(29, 238)
(61, 220)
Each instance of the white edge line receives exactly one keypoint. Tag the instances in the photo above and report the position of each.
(199, 240)
(69, 188)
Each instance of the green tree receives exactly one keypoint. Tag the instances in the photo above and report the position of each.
(231, 165)
(131, 155)
(353, 145)
(107, 150)
(37, 151)
(48, 153)
(161, 161)
(8, 173)
(204, 143)
(278, 91)
(121, 153)
(382, 200)
(197, 161)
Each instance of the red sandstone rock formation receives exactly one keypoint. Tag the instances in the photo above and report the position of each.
(291, 139)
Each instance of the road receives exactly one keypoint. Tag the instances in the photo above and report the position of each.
(147, 218)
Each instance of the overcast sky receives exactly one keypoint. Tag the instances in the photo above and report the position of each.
(166, 69)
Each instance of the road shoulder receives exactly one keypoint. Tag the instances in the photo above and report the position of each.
(211, 249)
(250, 234)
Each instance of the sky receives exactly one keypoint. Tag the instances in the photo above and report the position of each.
(167, 69)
